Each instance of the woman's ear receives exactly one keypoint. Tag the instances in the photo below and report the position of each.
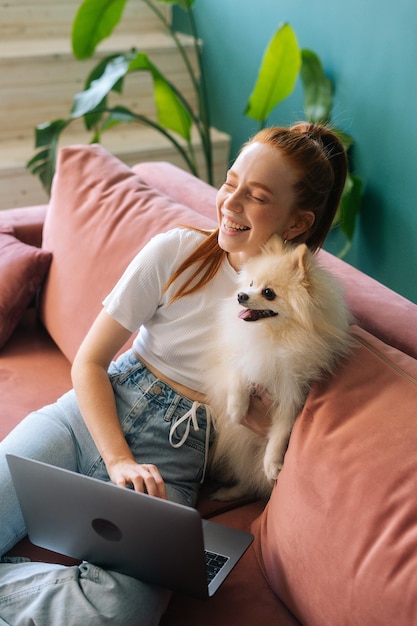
(304, 220)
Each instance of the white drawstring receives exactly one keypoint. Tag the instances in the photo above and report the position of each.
(188, 417)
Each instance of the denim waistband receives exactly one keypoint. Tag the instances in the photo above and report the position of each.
(149, 380)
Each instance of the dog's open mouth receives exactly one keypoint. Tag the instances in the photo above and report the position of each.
(252, 315)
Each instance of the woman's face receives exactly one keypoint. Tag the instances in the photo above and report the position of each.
(256, 201)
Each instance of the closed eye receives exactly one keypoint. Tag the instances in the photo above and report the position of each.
(257, 199)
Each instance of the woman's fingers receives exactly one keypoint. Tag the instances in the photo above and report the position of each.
(150, 481)
(144, 478)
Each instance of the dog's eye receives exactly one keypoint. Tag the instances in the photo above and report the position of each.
(269, 294)
(251, 283)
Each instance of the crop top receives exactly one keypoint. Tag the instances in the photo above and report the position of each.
(173, 337)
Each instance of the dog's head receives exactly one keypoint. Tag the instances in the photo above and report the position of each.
(275, 282)
(250, 298)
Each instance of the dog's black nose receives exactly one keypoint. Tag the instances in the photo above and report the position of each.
(242, 297)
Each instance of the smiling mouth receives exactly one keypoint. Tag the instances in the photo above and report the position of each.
(253, 315)
(234, 226)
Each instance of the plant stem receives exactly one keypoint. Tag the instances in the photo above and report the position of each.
(190, 161)
(201, 120)
(203, 100)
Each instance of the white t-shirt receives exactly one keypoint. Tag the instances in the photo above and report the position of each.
(173, 338)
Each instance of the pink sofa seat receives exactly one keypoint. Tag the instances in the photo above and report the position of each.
(337, 543)
(33, 372)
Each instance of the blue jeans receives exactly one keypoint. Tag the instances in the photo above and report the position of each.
(161, 427)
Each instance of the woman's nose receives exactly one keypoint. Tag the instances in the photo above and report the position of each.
(233, 201)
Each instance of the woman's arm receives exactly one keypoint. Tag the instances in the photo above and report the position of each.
(258, 418)
(97, 404)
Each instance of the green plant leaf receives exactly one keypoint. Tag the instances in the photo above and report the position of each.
(45, 134)
(184, 4)
(172, 110)
(277, 74)
(318, 92)
(93, 22)
(99, 69)
(348, 210)
(350, 204)
(118, 115)
(42, 164)
(93, 119)
(345, 139)
(113, 69)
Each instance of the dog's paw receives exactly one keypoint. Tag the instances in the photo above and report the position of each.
(236, 416)
(272, 464)
(275, 452)
(235, 413)
(237, 408)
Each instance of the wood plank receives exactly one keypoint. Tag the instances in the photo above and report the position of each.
(61, 46)
(132, 145)
(20, 19)
(40, 87)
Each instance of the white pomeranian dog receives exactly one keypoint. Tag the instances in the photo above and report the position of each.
(287, 327)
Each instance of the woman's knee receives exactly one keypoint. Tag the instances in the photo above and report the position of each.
(122, 599)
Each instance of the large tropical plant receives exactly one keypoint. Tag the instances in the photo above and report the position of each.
(282, 64)
(95, 20)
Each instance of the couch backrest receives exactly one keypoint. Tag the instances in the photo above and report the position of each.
(102, 212)
(377, 309)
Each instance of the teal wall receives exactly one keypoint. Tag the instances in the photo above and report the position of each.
(369, 51)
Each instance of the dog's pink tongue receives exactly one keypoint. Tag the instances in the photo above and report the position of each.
(245, 314)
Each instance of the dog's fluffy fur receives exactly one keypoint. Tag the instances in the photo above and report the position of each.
(287, 327)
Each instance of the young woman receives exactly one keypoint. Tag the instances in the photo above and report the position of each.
(141, 421)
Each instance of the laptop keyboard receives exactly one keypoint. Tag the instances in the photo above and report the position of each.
(214, 563)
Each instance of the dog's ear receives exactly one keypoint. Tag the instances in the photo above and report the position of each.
(301, 257)
(274, 245)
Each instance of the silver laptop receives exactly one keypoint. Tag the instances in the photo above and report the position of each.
(154, 540)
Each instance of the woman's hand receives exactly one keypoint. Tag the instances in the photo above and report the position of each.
(257, 418)
(97, 403)
(143, 478)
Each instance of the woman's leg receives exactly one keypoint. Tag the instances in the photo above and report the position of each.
(48, 435)
(43, 593)
(147, 409)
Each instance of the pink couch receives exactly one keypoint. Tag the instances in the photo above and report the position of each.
(337, 542)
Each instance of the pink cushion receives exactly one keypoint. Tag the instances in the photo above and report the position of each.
(26, 222)
(338, 540)
(22, 270)
(101, 213)
(176, 183)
